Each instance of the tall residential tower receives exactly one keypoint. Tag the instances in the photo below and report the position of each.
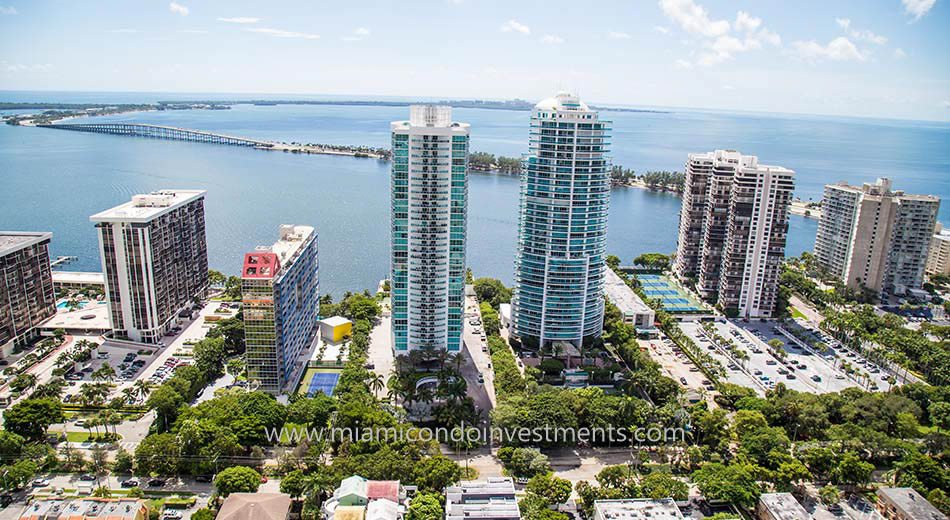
(562, 225)
(874, 238)
(429, 212)
(26, 291)
(280, 295)
(155, 260)
(733, 229)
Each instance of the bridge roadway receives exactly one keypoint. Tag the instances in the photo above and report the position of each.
(160, 132)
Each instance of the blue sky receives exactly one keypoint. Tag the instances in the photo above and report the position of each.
(877, 58)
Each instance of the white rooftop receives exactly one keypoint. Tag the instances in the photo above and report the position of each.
(623, 296)
(783, 506)
(292, 237)
(335, 321)
(146, 207)
(640, 508)
(78, 277)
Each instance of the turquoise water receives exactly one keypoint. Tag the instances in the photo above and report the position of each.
(53, 180)
(63, 305)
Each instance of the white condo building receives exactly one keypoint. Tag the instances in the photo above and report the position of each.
(562, 226)
(155, 261)
(429, 212)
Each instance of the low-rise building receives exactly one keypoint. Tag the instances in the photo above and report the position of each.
(255, 506)
(779, 506)
(86, 509)
(906, 504)
(635, 311)
(26, 291)
(335, 329)
(360, 499)
(76, 280)
(491, 499)
(636, 509)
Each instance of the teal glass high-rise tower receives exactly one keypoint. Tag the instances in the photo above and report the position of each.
(429, 211)
(562, 226)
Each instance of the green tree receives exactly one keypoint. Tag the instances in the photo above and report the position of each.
(209, 356)
(829, 495)
(237, 479)
(435, 473)
(491, 291)
(203, 514)
(852, 470)
(166, 401)
(425, 506)
(294, 484)
(18, 474)
(30, 418)
(552, 489)
(735, 483)
(157, 455)
(659, 484)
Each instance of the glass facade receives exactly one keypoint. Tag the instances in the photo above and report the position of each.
(562, 225)
(281, 305)
(429, 186)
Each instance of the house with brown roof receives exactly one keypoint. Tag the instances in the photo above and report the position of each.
(255, 506)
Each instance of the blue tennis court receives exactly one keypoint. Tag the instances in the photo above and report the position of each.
(673, 297)
(323, 382)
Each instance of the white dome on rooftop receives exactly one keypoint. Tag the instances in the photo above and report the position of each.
(562, 101)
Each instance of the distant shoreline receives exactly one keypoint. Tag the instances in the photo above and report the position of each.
(516, 104)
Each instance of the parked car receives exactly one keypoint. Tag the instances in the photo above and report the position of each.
(156, 482)
(130, 483)
(41, 482)
(203, 478)
(87, 478)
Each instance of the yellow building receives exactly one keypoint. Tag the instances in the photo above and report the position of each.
(333, 330)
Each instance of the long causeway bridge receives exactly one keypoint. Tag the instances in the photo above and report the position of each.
(159, 132)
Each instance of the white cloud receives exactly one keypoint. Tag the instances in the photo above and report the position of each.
(746, 22)
(918, 8)
(552, 39)
(839, 49)
(7, 10)
(240, 19)
(693, 18)
(899, 53)
(358, 34)
(515, 26)
(720, 39)
(617, 35)
(124, 31)
(177, 8)
(862, 35)
(193, 31)
(279, 33)
(662, 30)
(13, 68)
(683, 64)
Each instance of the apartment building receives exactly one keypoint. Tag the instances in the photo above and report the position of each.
(733, 230)
(874, 238)
(938, 257)
(491, 499)
(562, 225)
(429, 186)
(280, 294)
(85, 509)
(26, 291)
(155, 261)
(779, 506)
(906, 504)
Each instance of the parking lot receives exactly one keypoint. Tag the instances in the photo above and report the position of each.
(801, 370)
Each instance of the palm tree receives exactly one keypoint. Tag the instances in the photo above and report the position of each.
(376, 383)
(142, 388)
(105, 373)
(129, 394)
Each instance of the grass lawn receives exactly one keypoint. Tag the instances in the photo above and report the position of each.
(797, 313)
(85, 437)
